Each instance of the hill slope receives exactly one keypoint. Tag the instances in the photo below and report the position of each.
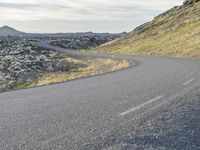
(173, 33)
(6, 30)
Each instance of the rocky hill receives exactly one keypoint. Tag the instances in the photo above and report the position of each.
(173, 33)
(9, 31)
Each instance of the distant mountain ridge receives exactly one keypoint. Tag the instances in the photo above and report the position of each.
(9, 31)
(175, 32)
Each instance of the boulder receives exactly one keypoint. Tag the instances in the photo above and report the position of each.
(62, 65)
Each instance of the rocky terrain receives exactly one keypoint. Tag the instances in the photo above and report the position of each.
(85, 40)
(73, 41)
(175, 32)
(21, 60)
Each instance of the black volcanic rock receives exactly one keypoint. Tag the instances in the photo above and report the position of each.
(189, 2)
(21, 60)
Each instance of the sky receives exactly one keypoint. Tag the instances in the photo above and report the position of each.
(53, 16)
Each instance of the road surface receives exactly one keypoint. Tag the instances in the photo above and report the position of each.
(155, 105)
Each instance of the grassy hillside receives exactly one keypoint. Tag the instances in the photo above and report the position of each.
(173, 33)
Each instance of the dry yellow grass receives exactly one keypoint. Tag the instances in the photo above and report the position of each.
(174, 33)
(93, 66)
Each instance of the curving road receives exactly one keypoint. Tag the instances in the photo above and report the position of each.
(155, 105)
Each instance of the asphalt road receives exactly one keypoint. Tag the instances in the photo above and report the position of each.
(154, 105)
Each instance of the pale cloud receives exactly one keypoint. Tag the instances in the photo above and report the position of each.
(82, 10)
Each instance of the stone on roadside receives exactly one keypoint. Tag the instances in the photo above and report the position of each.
(62, 65)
